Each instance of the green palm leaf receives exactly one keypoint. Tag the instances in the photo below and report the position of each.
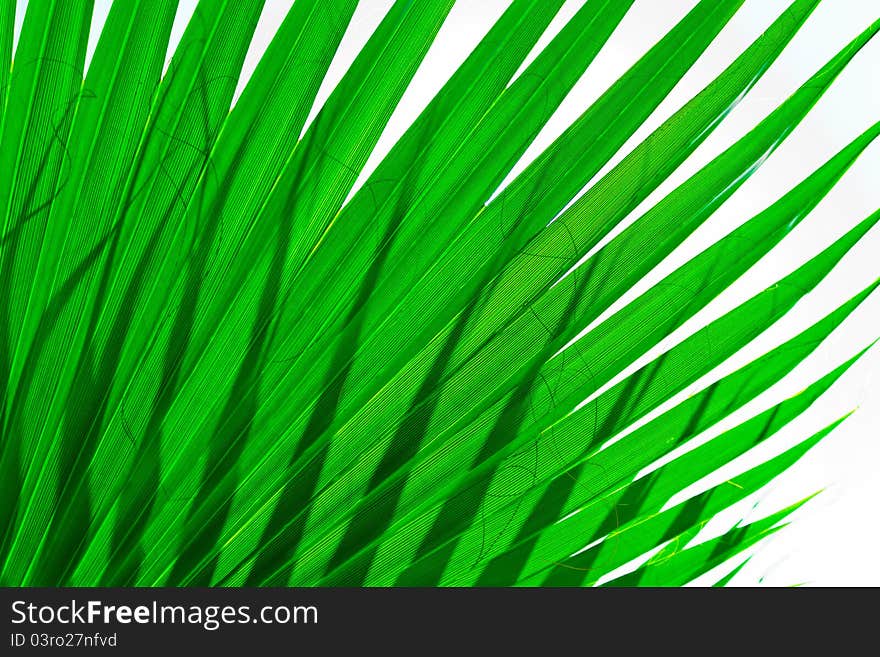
(233, 351)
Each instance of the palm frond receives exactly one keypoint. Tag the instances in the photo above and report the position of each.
(234, 350)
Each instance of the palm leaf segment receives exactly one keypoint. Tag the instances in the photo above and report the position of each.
(224, 360)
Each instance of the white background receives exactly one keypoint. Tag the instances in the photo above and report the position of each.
(835, 539)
